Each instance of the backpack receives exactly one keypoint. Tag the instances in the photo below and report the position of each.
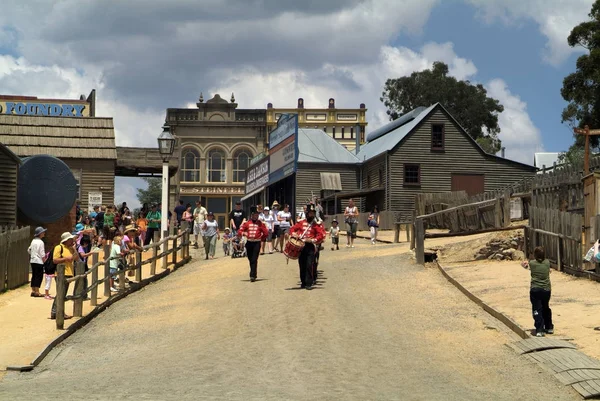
(49, 265)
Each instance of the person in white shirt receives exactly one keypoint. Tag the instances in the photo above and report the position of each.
(275, 236)
(285, 223)
(199, 217)
(267, 218)
(37, 257)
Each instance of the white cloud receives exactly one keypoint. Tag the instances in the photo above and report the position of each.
(518, 133)
(555, 18)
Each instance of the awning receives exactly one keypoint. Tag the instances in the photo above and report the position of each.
(331, 181)
(251, 194)
(353, 194)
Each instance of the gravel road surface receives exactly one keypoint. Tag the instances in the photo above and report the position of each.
(377, 327)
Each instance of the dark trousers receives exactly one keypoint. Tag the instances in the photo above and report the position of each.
(542, 314)
(306, 262)
(53, 311)
(316, 264)
(252, 251)
(150, 235)
(37, 275)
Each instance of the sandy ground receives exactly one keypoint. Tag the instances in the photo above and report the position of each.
(376, 327)
(29, 319)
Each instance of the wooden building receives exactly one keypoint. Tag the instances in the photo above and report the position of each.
(216, 142)
(338, 123)
(427, 150)
(68, 130)
(9, 169)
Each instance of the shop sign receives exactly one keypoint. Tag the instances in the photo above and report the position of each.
(287, 126)
(283, 162)
(257, 176)
(44, 109)
(257, 158)
(94, 198)
(213, 190)
(347, 117)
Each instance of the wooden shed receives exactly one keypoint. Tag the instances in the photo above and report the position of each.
(85, 144)
(9, 169)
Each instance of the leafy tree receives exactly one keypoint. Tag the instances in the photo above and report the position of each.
(153, 193)
(468, 103)
(581, 89)
(572, 157)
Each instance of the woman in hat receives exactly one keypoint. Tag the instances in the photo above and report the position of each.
(275, 234)
(64, 253)
(128, 243)
(37, 257)
(210, 228)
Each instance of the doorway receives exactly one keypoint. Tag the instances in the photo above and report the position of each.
(472, 184)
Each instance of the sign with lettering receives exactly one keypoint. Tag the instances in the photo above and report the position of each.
(347, 117)
(316, 117)
(283, 161)
(257, 176)
(33, 108)
(94, 198)
(257, 158)
(212, 190)
(287, 126)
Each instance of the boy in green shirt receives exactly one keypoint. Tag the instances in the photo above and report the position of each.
(153, 218)
(540, 292)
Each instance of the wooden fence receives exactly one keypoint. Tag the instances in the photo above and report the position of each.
(559, 233)
(179, 244)
(560, 189)
(14, 259)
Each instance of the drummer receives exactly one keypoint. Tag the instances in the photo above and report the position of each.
(254, 230)
(312, 234)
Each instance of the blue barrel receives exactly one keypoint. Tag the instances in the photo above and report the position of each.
(47, 189)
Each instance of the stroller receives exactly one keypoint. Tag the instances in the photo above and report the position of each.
(238, 247)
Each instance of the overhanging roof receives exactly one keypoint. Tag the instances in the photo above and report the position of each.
(135, 162)
(353, 194)
(316, 146)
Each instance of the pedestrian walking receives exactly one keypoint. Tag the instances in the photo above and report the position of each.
(226, 241)
(210, 229)
(200, 213)
(187, 219)
(285, 222)
(334, 234)
(267, 218)
(351, 219)
(153, 218)
(254, 230)
(373, 223)
(540, 292)
(276, 225)
(37, 257)
(312, 234)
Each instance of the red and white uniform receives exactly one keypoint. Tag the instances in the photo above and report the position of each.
(254, 231)
(316, 231)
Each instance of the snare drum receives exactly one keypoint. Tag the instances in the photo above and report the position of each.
(293, 248)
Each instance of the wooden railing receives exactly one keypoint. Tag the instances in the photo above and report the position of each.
(80, 275)
(14, 259)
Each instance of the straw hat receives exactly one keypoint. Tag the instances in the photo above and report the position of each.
(275, 203)
(130, 227)
(64, 237)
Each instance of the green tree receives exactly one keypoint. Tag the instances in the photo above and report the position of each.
(581, 89)
(468, 103)
(153, 193)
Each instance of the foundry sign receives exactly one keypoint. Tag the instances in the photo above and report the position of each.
(44, 109)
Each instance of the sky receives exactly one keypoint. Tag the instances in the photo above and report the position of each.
(143, 57)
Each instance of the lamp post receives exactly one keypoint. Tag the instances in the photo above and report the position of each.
(166, 146)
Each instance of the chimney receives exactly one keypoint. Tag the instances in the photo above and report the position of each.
(502, 151)
(357, 133)
(300, 103)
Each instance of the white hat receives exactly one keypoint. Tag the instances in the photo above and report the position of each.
(66, 236)
(266, 208)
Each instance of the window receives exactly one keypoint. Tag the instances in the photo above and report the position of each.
(343, 134)
(190, 165)
(216, 171)
(437, 136)
(241, 161)
(412, 174)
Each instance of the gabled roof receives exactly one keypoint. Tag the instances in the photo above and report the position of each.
(392, 137)
(315, 146)
(9, 153)
(61, 137)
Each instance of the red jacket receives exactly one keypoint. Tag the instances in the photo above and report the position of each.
(316, 231)
(254, 231)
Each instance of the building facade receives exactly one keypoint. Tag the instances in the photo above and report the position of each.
(215, 143)
(9, 170)
(340, 124)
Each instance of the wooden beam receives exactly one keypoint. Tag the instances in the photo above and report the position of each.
(473, 232)
(452, 209)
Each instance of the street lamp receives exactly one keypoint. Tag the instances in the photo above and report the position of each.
(166, 146)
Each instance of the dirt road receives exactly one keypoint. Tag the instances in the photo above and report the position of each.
(374, 328)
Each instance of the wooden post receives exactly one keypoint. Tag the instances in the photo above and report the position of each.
(174, 251)
(107, 271)
(94, 292)
(60, 296)
(186, 245)
(153, 263)
(420, 241)
(498, 213)
(558, 262)
(587, 132)
(121, 274)
(138, 266)
(408, 228)
(165, 249)
(78, 290)
(396, 233)
(526, 242)
(412, 240)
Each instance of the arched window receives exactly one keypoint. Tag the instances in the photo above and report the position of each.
(241, 161)
(216, 171)
(190, 165)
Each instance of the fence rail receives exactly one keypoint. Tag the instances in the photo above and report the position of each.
(92, 290)
(14, 259)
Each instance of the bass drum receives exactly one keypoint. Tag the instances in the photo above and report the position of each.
(293, 248)
(47, 189)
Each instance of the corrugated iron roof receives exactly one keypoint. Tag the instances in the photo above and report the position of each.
(393, 136)
(316, 146)
(545, 159)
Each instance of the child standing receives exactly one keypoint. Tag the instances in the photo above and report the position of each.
(49, 274)
(226, 241)
(115, 257)
(142, 225)
(334, 234)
